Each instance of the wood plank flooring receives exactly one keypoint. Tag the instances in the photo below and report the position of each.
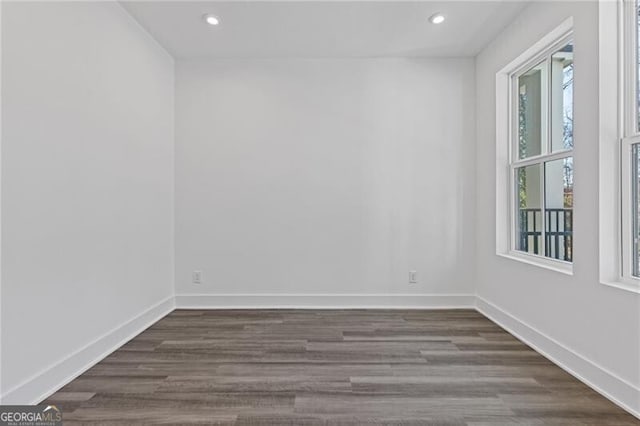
(331, 367)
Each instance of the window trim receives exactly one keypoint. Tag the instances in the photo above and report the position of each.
(505, 155)
(543, 262)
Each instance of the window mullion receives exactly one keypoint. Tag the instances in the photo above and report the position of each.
(512, 202)
(625, 172)
(543, 209)
(547, 106)
(548, 132)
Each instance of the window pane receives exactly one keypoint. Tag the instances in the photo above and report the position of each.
(635, 206)
(528, 209)
(558, 200)
(562, 99)
(531, 116)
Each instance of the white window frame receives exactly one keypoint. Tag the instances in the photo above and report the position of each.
(630, 134)
(616, 110)
(506, 154)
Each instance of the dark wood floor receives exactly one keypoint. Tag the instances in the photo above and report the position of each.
(344, 367)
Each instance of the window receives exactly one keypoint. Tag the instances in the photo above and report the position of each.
(619, 144)
(541, 160)
(630, 147)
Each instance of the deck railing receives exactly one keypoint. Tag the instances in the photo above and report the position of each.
(558, 233)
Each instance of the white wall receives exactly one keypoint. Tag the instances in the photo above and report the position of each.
(592, 329)
(293, 177)
(325, 177)
(87, 187)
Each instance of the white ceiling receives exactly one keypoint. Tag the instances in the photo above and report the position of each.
(323, 28)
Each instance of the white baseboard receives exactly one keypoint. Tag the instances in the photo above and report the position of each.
(614, 388)
(325, 301)
(42, 385)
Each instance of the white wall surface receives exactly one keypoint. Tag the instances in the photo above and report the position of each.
(325, 176)
(598, 324)
(87, 181)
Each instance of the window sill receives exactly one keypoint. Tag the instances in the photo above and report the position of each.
(565, 268)
(624, 284)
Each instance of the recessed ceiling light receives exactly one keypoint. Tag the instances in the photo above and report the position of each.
(211, 19)
(437, 18)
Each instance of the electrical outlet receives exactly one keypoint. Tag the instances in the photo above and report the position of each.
(413, 277)
(196, 277)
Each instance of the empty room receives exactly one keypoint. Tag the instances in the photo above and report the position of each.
(320, 212)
